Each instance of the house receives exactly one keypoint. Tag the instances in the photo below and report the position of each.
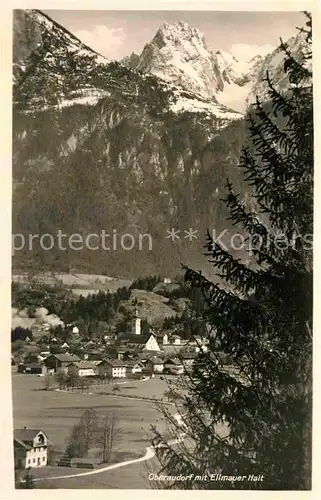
(135, 366)
(43, 355)
(32, 368)
(155, 365)
(109, 338)
(83, 368)
(114, 368)
(147, 341)
(33, 350)
(30, 448)
(117, 352)
(188, 359)
(198, 343)
(92, 354)
(59, 362)
(175, 339)
(174, 366)
(31, 359)
(162, 338)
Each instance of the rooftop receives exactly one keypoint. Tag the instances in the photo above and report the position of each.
(133, 363)
(65, 358)
(188, 355)
(135, 339)
(156, 361)
(115, 363)
(175, 361)
(25, 434)
(83, 364)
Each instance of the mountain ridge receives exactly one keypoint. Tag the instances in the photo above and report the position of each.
(180, 55)
(98, 146)
(41, 20)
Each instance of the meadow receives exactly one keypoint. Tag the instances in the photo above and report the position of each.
(55, 412)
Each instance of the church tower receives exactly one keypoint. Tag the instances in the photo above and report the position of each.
(136, 324)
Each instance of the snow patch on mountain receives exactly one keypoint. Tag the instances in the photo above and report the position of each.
(90, 99)
(184, 104)
(74, 44)
(49, 43)
(85, 97)
(238, 77)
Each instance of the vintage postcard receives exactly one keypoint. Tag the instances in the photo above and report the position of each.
(162, 249)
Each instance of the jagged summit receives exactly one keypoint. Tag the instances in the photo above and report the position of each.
(178, 54)
(66, 72)
(96, 145)
(180, 29)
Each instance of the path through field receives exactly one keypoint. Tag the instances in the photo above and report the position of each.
(150, 453)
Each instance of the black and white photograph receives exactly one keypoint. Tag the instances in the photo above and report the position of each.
(162, 249)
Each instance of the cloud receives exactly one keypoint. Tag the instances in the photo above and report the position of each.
(106, 41)
(245, 52)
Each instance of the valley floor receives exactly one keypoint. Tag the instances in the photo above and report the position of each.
(55, 412)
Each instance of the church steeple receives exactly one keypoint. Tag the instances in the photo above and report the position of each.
(136, 324)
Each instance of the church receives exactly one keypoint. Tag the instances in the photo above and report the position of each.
(135, 339)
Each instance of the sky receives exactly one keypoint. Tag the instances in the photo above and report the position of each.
(116, 34)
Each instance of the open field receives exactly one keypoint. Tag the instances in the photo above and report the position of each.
(80, 283)
(128, 477)
(153, 388)
(55, 412)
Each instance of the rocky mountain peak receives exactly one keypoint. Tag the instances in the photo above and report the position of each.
(181, 41)
(97, 145)
(180, 30)
(273, 63)
(178, 54)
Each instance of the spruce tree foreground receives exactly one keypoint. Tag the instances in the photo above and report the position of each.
(248, 425)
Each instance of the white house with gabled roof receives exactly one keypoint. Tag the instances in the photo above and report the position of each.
(30, 448)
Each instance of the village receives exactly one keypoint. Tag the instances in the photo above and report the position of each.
(115, 356)
(103, 367)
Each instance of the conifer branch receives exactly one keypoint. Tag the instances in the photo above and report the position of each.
(280, 102)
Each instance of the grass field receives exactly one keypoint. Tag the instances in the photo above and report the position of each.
(80, 283)
(55, 412)
(153, 388)
(130, 477)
